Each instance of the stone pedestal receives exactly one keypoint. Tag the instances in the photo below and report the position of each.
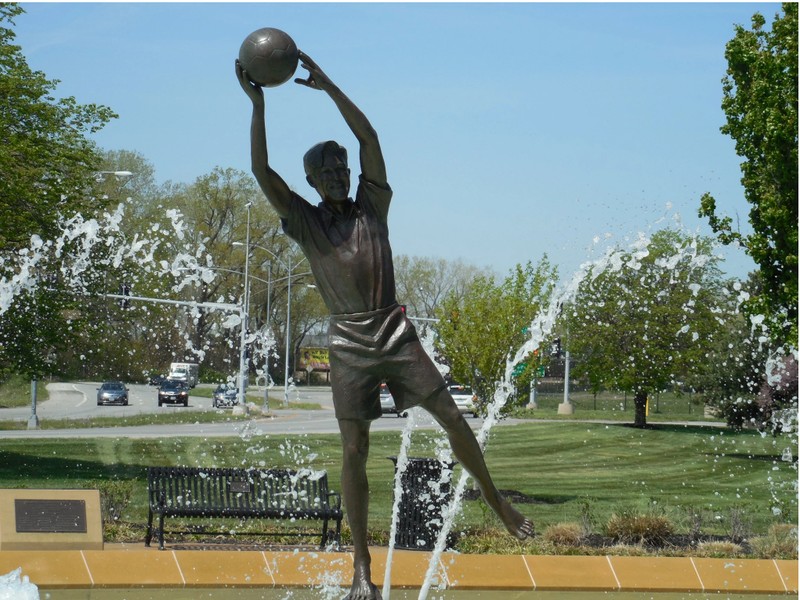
(50, 519)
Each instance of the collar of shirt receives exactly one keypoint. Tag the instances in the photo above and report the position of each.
(329, 216)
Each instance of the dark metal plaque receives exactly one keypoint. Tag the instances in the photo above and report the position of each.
(239, 486)
(50, 516)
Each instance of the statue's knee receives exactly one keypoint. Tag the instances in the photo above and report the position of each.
(356, 449)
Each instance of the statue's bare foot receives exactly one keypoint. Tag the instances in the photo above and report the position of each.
(360, 592)
(363, 588)
(516, 523)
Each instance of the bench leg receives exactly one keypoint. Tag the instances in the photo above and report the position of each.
(324, 534)
(337, 537)
(148, 535)
(161, 531)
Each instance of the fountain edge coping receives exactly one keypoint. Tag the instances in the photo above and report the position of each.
(127, 566)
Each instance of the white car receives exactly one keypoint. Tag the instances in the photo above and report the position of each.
(387, 403)
(465, 399)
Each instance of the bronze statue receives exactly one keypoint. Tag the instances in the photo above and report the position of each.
(347, 245)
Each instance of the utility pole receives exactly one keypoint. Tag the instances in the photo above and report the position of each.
(33, 420)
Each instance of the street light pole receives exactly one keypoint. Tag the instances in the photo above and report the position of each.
(566, 407)
(33, 420)
(288, 344)
(269, 331)
(245, 317)
(290, 274)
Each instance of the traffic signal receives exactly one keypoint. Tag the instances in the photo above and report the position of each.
(125, 290)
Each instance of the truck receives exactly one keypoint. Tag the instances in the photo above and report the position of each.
(185, 372)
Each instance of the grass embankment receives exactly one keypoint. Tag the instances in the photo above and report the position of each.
(702, 479)
(15, 392)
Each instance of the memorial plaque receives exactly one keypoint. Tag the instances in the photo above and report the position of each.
(50, 516)
(50, 519)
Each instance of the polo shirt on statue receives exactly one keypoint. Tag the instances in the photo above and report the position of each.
(349, 254)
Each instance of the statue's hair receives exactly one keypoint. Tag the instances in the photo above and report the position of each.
(315, 157)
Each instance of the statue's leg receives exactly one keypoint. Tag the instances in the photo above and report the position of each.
(355, 492)
(468, 452)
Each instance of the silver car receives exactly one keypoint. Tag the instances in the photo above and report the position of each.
(112, 392)
(387, 403)
(466, 400)
(225, 396)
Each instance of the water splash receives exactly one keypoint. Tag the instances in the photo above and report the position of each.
(15, 586)
(86, 249)
(400, 468)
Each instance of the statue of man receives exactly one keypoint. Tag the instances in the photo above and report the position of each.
(346, 243)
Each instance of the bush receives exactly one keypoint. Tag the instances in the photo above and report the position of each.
(115, 496)
(719, 549)
(740, 412)
(780, 542)
(211, 376)
(630, 527)
(490, 540)
(564, 534)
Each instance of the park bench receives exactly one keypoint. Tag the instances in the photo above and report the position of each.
(243, 494)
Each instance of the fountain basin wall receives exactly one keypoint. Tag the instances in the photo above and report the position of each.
(130, 567)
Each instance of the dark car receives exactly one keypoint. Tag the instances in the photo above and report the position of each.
(173, 392)
(156, 380)
(112, 392)
(225, 396)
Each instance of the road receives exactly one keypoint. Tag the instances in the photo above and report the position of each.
(79, 401)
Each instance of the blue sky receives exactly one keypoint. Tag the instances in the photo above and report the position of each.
(509, 130)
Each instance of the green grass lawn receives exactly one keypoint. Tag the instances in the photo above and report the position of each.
(576, 472)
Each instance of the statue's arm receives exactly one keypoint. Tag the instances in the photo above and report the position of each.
(274, 187)
(373, 166)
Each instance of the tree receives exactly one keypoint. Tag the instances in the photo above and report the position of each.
(131, 339)
(732, 368)
(47, 163)
(214, 210)
(640, 321)
(423, 282)
(479, 330)
(760, 105)
(48, 170)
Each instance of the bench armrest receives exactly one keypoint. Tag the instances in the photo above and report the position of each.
(338, 499)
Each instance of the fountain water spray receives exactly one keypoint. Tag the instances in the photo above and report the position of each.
(400, 467)
(86, 243)
(86, 248)
(539, 330)
(614, 260)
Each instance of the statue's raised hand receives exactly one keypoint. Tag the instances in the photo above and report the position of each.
(317, 80)
(253, 90)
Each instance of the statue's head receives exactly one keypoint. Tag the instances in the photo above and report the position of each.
(327, 172)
